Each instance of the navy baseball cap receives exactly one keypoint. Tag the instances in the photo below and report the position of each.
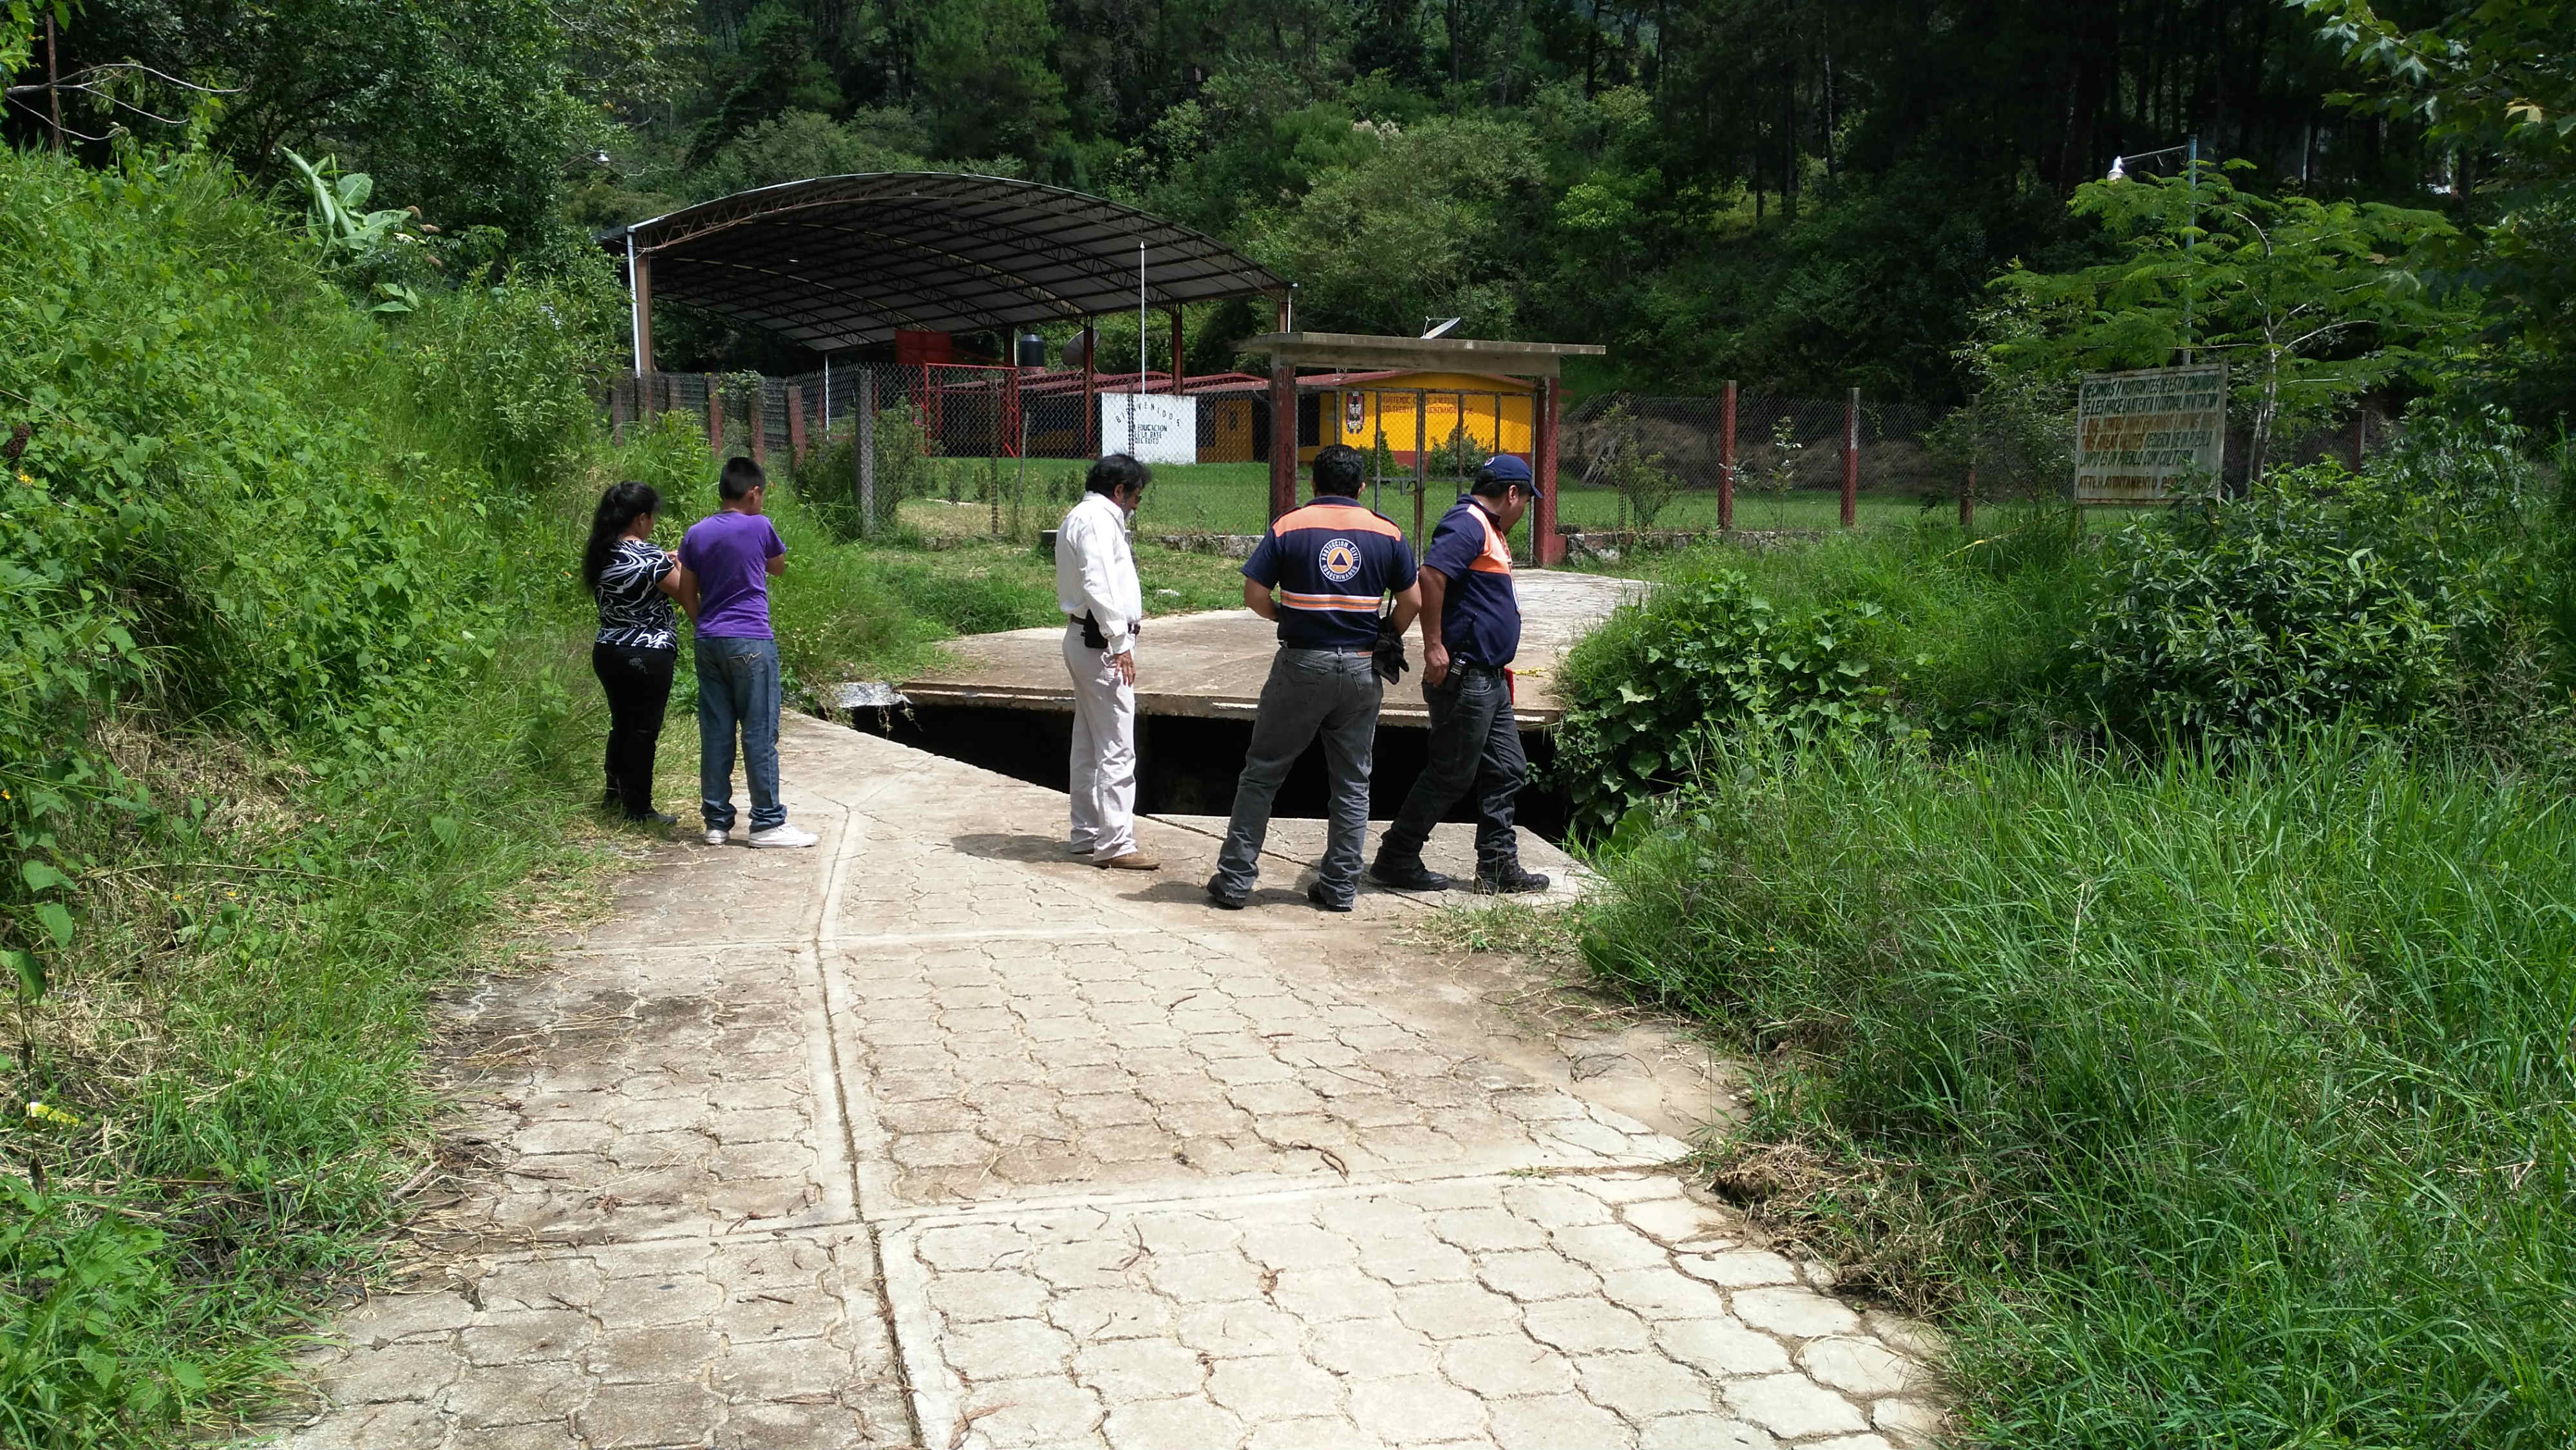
(1508, 468)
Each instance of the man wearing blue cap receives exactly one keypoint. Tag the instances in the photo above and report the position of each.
(1471, 629)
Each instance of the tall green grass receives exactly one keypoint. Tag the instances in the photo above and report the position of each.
(2220, 1105)
(296, 710)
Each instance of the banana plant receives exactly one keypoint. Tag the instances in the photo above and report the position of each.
(335, 210)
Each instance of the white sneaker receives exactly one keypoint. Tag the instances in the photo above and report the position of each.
(715, 837)
(783, 836)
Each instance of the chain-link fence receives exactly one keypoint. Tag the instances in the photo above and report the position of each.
(1632, 466)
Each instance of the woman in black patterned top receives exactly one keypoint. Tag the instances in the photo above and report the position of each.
(638, 639)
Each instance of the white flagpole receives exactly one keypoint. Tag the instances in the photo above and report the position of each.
(1140, 348)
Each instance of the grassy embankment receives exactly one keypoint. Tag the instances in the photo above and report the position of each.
(2213, 1090)
(296, 726)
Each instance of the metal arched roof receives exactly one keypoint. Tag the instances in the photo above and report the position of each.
(843, 260)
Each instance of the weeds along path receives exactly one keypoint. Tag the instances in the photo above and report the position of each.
(934, 1137)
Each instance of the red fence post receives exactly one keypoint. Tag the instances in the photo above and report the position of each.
(1851, 460)
(759, 421)
(715, 415)
(1726, 460)
(1549, 546)
(796, 424)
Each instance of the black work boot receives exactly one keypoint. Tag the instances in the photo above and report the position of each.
(1509, 879)
(1222, 897)
(1407, 875)
(1325, 899)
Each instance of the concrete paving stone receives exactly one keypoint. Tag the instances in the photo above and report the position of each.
(1802, 1313)
(1585, 1326)
(1371, 1349)
(1660, 1292)
(521, 1335)
(1534, 1275)
(517, 1393)
(1909, 1422)
(390, 1318)
(1298, 1246)
(623, 1416)
(800, 1427)
(1273, 1387)
(1554, 1205)
(542, 1435)
(405, 1425)
(1045, 1411)
(1674, 1221)
(976, 1295)
(1487, 1229)
(1141, 1369)
(1909, 1337)
(1793, 1406)
(1853, 1442)
(1203, 1278)
(397, 1372)
(1186, 1233)
(1485, 1283)
(1703, 1432)
(1416, 1410)
(1325, 1295)
(1454, 1311)
(1861, 1367)
(1008, 1349)
(1739, 1268)
(1232, 1330)
(1557, 1422)
(1609, 1248)
(1308, 1433)
(786, 1369)
(1191, 1424)
(1414, 1260)
(972, 1246)
(1721, 1347)
(1500, 1366)
(1642, 1386)
(637, 1356)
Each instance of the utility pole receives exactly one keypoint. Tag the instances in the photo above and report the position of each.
(54, 82)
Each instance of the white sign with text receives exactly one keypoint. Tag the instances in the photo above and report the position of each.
(2138, 434)
(1156, 428)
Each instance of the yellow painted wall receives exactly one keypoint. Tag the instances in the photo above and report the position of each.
(1495, 412)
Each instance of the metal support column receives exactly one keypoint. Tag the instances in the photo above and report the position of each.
(1283, 428)
(1851, 460)
(1546, 544)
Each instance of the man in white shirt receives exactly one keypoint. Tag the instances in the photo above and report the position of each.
(1095, 582)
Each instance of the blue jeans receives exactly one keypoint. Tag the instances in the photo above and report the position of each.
(1309, 692)
(738, 685)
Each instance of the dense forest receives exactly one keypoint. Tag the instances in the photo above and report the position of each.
(1808, 194)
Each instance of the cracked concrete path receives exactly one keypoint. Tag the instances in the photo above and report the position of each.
(933, 1137)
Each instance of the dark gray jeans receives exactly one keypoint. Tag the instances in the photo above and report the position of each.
(1475, 741)
(1309, 692)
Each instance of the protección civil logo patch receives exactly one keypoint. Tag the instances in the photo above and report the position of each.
(1340, 560)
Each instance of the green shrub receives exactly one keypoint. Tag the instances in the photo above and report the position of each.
(2392, 599)
(2222, 1102)
(1702, 656)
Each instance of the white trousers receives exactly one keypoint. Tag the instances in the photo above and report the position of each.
(1104, 750)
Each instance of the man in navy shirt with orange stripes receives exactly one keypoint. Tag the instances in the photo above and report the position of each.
(1471, 630)
(1333, 564)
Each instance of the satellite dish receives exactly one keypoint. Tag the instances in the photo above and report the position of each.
(1437, 326)
(1073, 350)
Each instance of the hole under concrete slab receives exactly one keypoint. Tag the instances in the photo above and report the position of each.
(1187, 763)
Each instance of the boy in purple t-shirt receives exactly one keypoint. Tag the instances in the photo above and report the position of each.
(730, 555)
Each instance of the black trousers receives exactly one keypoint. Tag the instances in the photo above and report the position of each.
(638, 683)
(1475, 745)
